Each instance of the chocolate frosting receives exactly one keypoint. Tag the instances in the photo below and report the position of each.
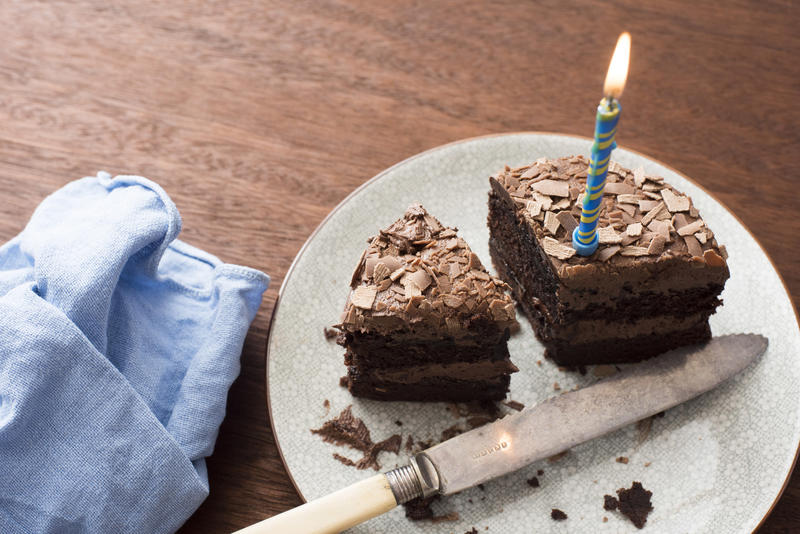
(419, 276)
(458, 370)
(642, 218)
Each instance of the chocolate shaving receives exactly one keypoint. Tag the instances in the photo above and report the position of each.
(551, 223)
(607, 235)
(630, 211)
(661, 228)
(713, 259)
(619, 188)
(656, 245)
(634, 229)
(674, 202)
(556, 249)
(634, 251)
(358, 270)
(533, 208)
(605, 253)
(567, 221)
(653, 213)
(647, 205)
(693, 246)
(380, 272)
(553, 188)
(691, 228)
(638, 176)
(514, 405)
(628, 199)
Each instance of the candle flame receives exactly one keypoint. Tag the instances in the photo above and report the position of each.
(618, 69)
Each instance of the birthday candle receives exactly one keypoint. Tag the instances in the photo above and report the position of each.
(584, 238)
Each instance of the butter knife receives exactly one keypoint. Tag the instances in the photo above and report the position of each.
(538, 432)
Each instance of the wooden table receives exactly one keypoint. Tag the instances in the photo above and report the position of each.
(258, 118)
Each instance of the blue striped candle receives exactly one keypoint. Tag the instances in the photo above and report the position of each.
(584, 238)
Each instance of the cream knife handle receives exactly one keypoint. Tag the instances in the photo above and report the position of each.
(333, 513)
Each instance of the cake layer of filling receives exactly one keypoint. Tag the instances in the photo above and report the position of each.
(629, 318)
(376, 351)
(431, 389)
(603, 329)
(460, 371)
(624, 350)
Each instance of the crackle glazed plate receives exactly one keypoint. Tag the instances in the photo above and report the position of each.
(715, 464)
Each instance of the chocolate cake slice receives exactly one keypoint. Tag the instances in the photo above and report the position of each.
(651, 285)
(424, 321)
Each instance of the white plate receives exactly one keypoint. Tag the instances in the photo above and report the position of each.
(718, 463)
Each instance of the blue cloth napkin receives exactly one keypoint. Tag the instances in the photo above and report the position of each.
(118, 344)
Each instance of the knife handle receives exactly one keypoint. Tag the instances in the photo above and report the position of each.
(333, 513)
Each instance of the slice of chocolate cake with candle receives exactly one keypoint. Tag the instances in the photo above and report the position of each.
(424, 321)
(650, 286)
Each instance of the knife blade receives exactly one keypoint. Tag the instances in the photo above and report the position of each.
(538, 432)
(567, 420)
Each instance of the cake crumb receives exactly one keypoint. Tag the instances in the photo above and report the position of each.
(643, 428)
(330, 333)
(473, 531)
(539, 363)
(452, 516)
(647, 464)
(346, 461)
(398, 422)
(602, 371)
(557, 515)
(451, 432)
(418, 509)
(533, 482)
(622, 460)
(327, 405)
(634, 503)
(605, 519)
(514, 405)
(540, 472)
(556, 386)
(348, 430)
(557, 457)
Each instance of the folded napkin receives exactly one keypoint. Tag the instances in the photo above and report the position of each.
(118, 344)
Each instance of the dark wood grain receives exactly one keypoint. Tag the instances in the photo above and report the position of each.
(259, 117)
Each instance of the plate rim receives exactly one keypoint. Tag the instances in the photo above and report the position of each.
(387, 170)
